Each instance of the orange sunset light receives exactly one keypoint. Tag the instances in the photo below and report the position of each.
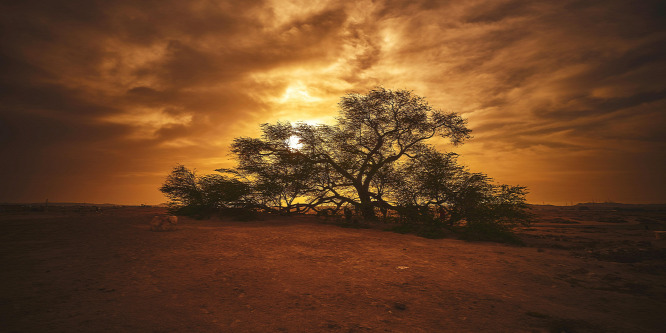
(100, 100)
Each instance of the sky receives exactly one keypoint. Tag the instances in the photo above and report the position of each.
(99, 100)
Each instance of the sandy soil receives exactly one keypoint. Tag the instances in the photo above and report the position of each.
(581, 271)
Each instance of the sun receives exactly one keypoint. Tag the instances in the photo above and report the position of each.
(293, 143)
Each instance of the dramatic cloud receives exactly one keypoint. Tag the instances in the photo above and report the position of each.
(98, 99)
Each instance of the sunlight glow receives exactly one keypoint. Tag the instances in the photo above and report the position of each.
(293, 143)
(297, 92)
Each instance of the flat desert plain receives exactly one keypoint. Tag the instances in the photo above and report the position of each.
(598, 269)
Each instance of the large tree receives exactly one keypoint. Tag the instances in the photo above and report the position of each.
(358, 155)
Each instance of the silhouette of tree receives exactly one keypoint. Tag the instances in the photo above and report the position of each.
(430, 179)
(181, 187)
(372, 133)
(435, 180)
(375, 157)
(194, 195)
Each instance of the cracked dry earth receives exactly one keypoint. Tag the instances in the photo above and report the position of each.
(102, 272)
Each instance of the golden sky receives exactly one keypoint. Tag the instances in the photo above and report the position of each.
(100, 99)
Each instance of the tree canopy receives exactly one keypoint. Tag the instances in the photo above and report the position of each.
(377, 156)
(358, 154)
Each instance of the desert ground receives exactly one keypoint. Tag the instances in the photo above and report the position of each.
(593, 269)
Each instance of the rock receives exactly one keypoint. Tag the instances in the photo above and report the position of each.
(163, 223)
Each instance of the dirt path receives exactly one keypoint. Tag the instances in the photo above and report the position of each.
(107, 272)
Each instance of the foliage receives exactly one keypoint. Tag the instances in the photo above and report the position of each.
(435, 183)
(181, 187)
(278, 179)
(356, 155)
(376, 157)
(192, 195)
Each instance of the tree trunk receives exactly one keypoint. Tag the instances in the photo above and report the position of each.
(368, 212)
(367, 209)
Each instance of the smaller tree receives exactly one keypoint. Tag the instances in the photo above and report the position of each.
(190, 194)
(223, 192)
(181, 188)
(435, 183)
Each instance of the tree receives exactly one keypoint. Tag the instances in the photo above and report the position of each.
(377, 156)
(193, 195)
(181, 187)
(372, 133)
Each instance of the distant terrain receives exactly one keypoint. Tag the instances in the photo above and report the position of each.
(584, 268)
